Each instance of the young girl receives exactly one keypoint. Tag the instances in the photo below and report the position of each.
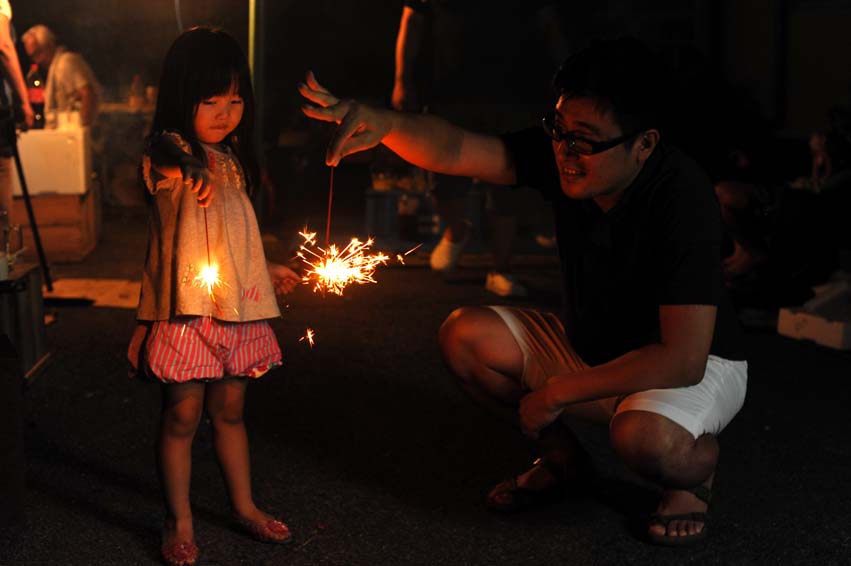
(204, 347)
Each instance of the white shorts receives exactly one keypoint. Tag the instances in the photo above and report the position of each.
(703, 408)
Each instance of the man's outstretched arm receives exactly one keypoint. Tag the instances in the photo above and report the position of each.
(426, 141)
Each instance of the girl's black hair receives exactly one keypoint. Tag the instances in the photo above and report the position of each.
(201, 63)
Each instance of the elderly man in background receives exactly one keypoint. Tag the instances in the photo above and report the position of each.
(70, 82)
(10, 78)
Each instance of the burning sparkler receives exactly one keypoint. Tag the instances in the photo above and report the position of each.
(332, 269)
(309, 334)
(401, 257)
(209, 275)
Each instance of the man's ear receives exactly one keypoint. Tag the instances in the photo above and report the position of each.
(646, 143)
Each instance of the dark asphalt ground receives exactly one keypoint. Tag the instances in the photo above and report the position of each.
(371, 453)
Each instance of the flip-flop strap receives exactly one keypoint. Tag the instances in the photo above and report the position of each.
(701, 492)
(558, 472)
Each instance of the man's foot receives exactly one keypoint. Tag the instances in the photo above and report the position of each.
(504, 285)
(681, 517)
(178, 543)
(448, 250)
(544, 483)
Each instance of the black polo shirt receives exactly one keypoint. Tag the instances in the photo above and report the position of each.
(659, 245)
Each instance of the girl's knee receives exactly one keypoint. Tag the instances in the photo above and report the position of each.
(228, 414)
(181, 419)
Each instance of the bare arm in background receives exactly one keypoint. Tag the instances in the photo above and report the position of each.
(88, 104)
(409, 44)
(12, 66)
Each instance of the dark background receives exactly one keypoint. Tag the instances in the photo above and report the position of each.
(787, 55)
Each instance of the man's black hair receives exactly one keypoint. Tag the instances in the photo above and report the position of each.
(624, 76)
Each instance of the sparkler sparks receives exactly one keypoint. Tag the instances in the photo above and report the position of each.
(401, 257)
(309, 334)
(332, 269)
(209, 278)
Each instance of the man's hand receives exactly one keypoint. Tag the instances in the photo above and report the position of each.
(537, 412)
(198, 179)
(284, 279)
(361, 126)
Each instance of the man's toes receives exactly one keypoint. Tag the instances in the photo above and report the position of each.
(683, 528)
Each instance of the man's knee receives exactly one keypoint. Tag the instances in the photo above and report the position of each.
(648, 442)
(468, 338)
(459, 330)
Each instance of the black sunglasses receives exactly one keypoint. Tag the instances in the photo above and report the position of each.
(578, 144)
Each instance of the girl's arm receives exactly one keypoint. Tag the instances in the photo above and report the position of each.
(170, 161)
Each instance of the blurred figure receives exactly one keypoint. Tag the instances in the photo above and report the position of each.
(70, 83)
(12, 81)
(788, 232)
(483, 75)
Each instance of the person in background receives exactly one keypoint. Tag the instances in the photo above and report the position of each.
(12, 80)
(70, 83)
(648, 343)
(478, 52)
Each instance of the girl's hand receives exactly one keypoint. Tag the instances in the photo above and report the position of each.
(284, 279)
(361, 126)
(198, 179)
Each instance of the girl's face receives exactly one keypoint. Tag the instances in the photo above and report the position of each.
(216, 117)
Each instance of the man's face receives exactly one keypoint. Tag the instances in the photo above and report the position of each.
(36, 52)
(602, 176)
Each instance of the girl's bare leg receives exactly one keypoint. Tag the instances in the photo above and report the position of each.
(225, 405)
(181, 413)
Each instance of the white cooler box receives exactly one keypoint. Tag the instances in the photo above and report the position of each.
(55, 161)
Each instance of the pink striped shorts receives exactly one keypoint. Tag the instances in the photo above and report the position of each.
(203, 348)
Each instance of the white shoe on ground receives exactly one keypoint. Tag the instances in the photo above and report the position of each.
(446, 253)
(504, 285)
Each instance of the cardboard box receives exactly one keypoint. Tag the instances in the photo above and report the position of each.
(824, 319)
(69, 224)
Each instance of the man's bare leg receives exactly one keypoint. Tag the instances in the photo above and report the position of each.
(662, 451)
(481, 351)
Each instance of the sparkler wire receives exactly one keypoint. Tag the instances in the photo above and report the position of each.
(207, 235)
(330, 199)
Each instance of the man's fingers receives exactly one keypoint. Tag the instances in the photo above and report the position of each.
(311, 81)
(359, 143)
(322, 98)
(332, 114)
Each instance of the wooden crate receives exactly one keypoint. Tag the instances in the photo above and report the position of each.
(69, 225)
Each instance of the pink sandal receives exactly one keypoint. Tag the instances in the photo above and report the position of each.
(273, 531)
(180, 553)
